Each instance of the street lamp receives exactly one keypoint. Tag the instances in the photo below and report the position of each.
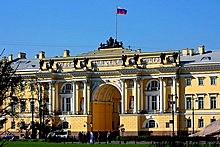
(172, 103)
(193, 115)
(32, 121)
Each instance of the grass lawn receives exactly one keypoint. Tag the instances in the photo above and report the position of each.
(48, 144)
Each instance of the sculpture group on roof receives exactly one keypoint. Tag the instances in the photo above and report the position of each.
(111, 43)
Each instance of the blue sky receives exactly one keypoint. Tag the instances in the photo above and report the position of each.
(32, 26)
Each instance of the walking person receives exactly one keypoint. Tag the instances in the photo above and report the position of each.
(109, 137)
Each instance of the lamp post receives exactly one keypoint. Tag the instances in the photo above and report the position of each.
(32, 121)
(172, 103)
(193, 115)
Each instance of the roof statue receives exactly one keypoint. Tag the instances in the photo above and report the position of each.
(111, 43)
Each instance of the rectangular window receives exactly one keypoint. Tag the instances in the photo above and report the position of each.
(212, 80)
(13, 107)
(167, 124)
(188, 123)
(63, 104)
(12, 124)
(188, 81)
(212, 102)
(32, 106)
(188, 103)
(212, 120)
(32, 88)
(22, 106)
(200, 81)
(22, 125)
(154, 102)
(68, 104)
(200, 123)
(200, 103)
(22, 87)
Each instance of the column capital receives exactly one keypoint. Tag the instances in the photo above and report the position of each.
(161, 78)
(73, 81)
(85, 81)
(174, 77)
(122, 80)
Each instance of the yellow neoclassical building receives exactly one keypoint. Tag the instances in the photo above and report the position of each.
(117, 89)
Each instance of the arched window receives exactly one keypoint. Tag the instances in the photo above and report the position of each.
(151, 124)
(153, 86)
(67, 88)
(152, 96)
(63, 124)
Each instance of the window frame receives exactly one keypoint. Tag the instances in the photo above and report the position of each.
(213, 80)
(153, 85)
(200, 123)
(188, 81)
(188, 102)
(200, 81)
(188, 123)
(213, 102)
(67, 88)
(22, 106)
(200, 102)
(13, 124)
(151, 124)
(212, 119)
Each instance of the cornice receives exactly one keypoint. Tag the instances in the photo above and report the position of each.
(200, 67)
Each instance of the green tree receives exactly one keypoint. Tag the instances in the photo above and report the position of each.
(9, 80)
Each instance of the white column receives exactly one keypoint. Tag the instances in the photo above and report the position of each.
(123, 96)
(40, 100)
(50, 98)
(57, 95)
(135, 96)
(142, 95)
(74, 98)
(174, 94)
(40, 92)
(85, 97)
(161, 96)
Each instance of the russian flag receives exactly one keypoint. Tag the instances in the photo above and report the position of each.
(121, 11)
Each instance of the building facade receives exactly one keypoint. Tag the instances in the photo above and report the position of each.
(117, 89)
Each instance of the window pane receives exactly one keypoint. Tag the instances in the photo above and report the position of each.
(188, 81)
(200, 80)
(68, 104)
(200, 123)
(188, 123)
(212, 102)
(213, 80)
(154, 102)
(65, 125)
(22, 106)
(13, 125)
(188, 103)
(151, 124)
(200, 103)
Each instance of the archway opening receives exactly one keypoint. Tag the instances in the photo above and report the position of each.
(106, 108)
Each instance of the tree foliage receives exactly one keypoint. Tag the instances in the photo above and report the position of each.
(9, 80)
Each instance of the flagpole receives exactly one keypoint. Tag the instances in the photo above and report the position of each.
(116, 27)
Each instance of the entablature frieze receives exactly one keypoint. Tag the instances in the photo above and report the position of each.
(200, 68)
